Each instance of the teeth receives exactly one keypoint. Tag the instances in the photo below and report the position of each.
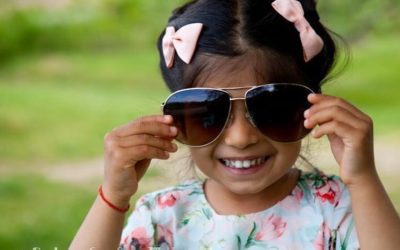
(243, 164)
(238, 164)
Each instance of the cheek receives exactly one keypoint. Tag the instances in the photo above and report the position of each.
(288, 153)
(201, 156)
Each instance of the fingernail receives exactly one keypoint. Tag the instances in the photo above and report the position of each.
(311, 95)
(173, 130)
(167, 117)
(306, 113)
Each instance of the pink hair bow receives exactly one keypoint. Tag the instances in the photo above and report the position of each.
(182, 41)
(292, 11)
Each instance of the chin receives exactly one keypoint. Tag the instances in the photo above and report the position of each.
(247, 188)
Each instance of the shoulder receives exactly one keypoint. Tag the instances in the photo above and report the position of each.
(170, 196)
(165, 204)
(323, 188)
(329, 201)
(328, 196)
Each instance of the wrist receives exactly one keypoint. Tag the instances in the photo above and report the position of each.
(115, 202)
(363, 182)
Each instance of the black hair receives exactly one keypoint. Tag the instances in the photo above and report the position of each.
(251, 30)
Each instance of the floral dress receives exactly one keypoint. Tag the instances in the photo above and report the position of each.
(316, 215)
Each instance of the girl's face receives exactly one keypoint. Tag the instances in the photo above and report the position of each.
(241, 144)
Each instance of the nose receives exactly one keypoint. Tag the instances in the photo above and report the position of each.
(240, 133)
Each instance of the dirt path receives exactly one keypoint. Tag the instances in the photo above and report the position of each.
(387, 161)
(86, 173)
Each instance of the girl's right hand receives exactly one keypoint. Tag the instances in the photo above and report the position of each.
(128, 152)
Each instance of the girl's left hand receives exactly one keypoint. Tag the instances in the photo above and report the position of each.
(349, 132)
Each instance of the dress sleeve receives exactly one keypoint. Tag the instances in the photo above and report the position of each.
(344, 227)
(335, 198)
(334, 204)
(139, 230)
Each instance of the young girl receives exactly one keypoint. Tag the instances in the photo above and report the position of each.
(247, 78)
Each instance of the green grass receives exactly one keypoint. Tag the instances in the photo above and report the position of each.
(39, 213)
(371, 81)
(58, 107)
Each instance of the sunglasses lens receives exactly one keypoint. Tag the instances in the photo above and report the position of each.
(277, 110)
(199, 114)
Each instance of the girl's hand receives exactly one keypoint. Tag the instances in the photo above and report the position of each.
(349, 132)
(128, 152)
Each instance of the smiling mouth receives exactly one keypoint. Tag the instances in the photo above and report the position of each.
(244, 164)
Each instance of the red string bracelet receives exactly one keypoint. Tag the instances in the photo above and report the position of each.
(122, 210)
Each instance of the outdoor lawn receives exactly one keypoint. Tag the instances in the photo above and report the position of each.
(56, 106)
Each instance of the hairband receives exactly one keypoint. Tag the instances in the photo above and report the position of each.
(292, 11)
(183, 42)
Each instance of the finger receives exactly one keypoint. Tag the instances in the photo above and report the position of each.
(334, 127)
(320, 101)
(126, 129)
(154, 125)
(336, 113)
(147, 152)
(165, 144)
(128, 157)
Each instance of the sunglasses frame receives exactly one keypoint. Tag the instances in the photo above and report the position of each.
(248, 116)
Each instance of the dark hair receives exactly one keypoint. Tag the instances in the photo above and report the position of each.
(243, 29)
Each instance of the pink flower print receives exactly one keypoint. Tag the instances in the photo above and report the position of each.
(292, 201)
(271, 228)
(297, 194)
(167, 200)
(322, 233)
(164, 238)
(139, 239)
(330, 192)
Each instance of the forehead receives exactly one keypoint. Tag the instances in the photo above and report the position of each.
(239, 78)
(233, 72)
(248, 69)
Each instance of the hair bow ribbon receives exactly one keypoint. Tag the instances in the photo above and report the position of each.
(292, 11)
(183, 42)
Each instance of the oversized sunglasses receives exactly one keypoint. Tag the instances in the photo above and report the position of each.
(276, 109)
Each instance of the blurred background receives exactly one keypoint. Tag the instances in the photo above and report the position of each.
(71, 70)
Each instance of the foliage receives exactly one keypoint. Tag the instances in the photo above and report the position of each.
(110, 24)
(83, 25)
(357, 18)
